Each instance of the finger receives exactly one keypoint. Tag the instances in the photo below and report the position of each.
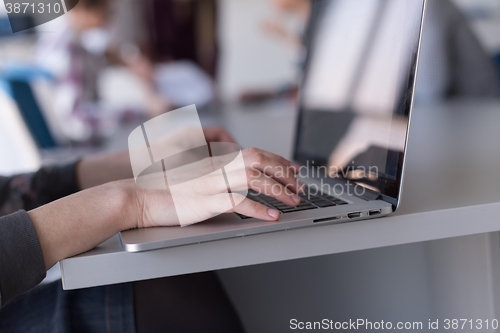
(272, 188)
(261, 163)
(258, 181)
(273, 169)
(251, 208)
(250, 151)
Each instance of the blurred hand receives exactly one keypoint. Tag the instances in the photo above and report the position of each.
(142, 67)
(100, 169)
(217, 134)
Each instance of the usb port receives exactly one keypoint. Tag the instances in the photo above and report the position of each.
(375, 212)
(354, 215)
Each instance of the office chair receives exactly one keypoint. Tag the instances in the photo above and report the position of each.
(17, 147)
(16, 82)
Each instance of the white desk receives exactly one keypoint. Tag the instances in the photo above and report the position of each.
(452, 188)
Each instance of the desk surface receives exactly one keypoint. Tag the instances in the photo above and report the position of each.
(452, 188)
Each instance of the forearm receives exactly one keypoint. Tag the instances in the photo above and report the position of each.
(97, 170)
(79, 222)
(101, 169)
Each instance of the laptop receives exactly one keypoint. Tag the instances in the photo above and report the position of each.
(354, 112)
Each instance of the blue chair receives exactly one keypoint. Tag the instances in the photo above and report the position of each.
(20, 22)
(16, 82)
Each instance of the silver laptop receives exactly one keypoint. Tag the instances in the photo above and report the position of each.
(356, 99)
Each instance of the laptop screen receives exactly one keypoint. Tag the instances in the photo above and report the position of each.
(357, 90)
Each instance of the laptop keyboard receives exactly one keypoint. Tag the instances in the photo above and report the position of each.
(308, 201)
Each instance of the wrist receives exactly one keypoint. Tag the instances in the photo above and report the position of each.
(125, 205)
(81, 221)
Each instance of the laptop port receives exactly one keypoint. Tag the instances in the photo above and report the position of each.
(375, 212)
(354, 215)
(327, 219)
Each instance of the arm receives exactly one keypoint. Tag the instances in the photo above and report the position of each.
(24, 237)
(22, 264)
(34, 241)
(101, 169)
(85, 219)
(23, 259)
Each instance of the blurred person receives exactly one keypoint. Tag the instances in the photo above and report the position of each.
(181, 41)
(60, 211)
(183, 30)
(171, 43)
(77, 55)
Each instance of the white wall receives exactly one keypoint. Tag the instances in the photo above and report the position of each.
(250, 59)
(445, 279)
(463, 277)
(389, 284)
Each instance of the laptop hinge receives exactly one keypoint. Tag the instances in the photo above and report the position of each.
(370, 195)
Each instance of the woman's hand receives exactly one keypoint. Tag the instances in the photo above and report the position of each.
(195, 200)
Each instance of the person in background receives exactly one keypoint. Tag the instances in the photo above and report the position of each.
(179, 39)
(183, 30)
(77, 55)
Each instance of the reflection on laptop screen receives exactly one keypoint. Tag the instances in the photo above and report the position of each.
(357, 89)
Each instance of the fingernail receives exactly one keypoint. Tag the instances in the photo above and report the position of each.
(296, 198)
(273, 213)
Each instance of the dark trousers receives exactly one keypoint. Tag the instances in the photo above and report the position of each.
(187, 303)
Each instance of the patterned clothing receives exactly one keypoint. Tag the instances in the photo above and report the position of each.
(21, 260)
(28, 191)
